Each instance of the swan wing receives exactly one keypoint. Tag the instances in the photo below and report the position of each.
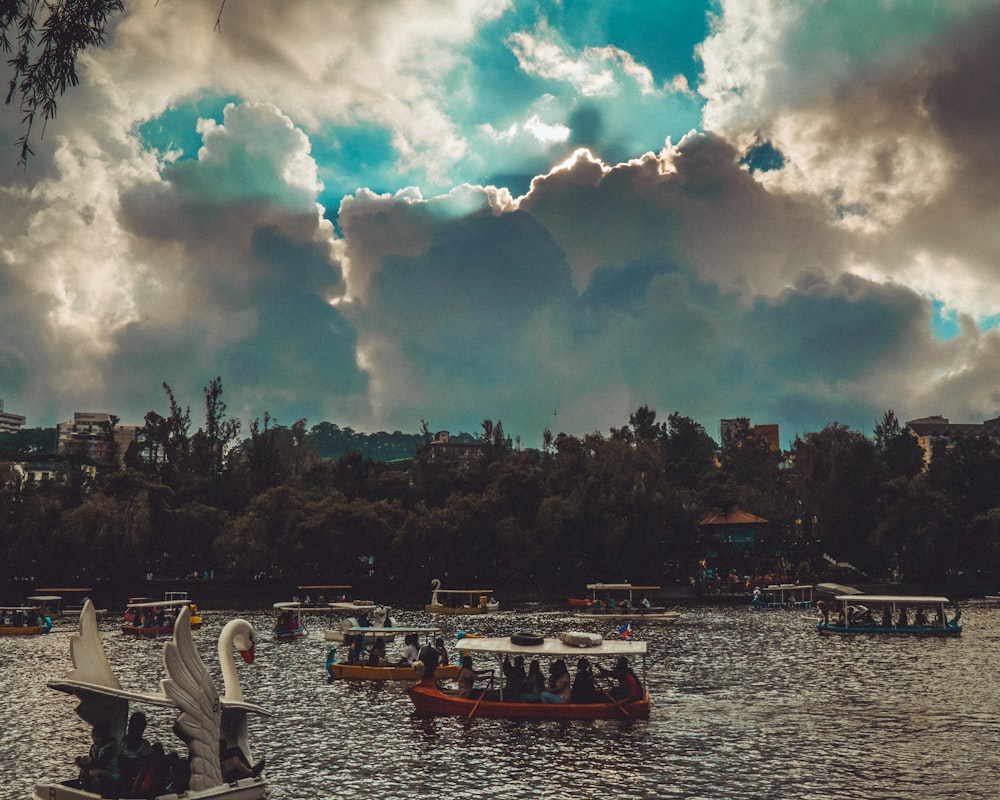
(90, 662)
(190, 686)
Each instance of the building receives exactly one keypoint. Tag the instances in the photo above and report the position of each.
(767, 432)
(10, 423)
(86, 435)
(934, 430)
(453, 451)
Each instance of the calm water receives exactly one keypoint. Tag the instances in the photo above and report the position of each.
(746, 704)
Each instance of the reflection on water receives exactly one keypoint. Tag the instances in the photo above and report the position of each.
(746, 704)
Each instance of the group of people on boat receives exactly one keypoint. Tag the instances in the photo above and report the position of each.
(149, 618)
(530, 686)
(376, 654)
(859, 616)
(22, 618)
(287, 622)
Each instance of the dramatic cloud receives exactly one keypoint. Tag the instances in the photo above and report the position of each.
(380, 213)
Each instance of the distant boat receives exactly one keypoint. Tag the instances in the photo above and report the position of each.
(460, 601)
(890, 614)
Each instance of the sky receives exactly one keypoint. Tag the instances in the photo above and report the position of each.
(548, 213)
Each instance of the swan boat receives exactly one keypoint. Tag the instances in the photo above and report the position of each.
(627, 608)
(460, 601)
(338, 670)
(23, 621)
(146, 617)
(204, 721)
(287, 621)
(431, 700)
(889, 614)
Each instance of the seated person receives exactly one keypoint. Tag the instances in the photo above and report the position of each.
(514, 677)
(560, 685)
(411, 652)
(629, 687)
(99, 768)
(235, 764)
(467, 678)
(376, 656)
(583, 689)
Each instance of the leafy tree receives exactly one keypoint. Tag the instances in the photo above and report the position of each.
(898, 450)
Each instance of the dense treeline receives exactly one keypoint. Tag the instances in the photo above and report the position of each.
(618, 506)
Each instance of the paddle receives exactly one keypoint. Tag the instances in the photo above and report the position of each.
(481, 696)
(612, 699)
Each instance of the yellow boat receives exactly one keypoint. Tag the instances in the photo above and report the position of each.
(340, 670)
(460, 601)
(23, 621)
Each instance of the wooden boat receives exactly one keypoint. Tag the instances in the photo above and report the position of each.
(603, 603)
(287, 622)
(204, 720)
(71, 600)
(23, 621)
(145, 617)
(890, 614)
(460, 601)
(783, 595)
(316, 598)
(429, 699)
(337, 670)
(580, 602)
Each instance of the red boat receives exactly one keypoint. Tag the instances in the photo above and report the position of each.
(428, 698)
(580, 602)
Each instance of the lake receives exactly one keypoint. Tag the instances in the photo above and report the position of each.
(745, 704)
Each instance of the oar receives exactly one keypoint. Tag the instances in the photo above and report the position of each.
(481, 696)
(611, 698)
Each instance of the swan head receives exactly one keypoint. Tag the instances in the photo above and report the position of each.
(240, 635)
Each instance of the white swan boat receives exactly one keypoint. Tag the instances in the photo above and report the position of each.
(205, 722)
(460, 601)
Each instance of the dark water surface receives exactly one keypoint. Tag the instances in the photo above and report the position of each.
(745, 704)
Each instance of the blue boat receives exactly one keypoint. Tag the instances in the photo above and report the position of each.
(890, 614)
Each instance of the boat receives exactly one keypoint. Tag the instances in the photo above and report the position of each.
(891, 614)
(205, 722)
(783, 595)
(379, 619)
(431, 700)
(287, 622)
(460, 601)
(23, 620)
(339, 670)
(315, 597)
(146, 617)
(71, 600)
(48, 605)
(627, 607)
(580, 602)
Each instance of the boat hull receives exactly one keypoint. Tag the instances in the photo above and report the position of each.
(431, 701)
(21, 630)
(651, 615)
(950, 630)
(157, 630)
(245, 789)
(357, 672)
(460, 610)
(580, 602)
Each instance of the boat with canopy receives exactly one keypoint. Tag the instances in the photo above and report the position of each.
(460, 601)
(287, 621)
(430, 699)
(145, 617)
(71, 600)
(890, 614)
(392, 670)
(783, 595)
(213, 728)
(23, 620)
(603, 603)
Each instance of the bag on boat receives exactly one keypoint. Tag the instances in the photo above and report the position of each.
(580, 638)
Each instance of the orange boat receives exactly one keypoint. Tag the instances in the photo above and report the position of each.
(429, 699)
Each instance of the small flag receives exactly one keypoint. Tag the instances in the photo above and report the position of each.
(625, 630)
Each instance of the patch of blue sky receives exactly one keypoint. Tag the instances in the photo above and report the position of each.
(176, 129)
(944, 324)
(349, 158)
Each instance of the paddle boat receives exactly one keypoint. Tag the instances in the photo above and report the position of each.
(782, 595)
(315, 598)
(24, 620)
(890, 614)
(601, 703)
(363, 617)
(603, 603)
(287, 622)
(393, 670)
(211, 727)
(71, 600)
(460, 601)
(145, 617)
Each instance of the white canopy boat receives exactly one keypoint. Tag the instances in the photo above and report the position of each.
(71, 599)
(392, 670)
(23, 620)
(207, 724)
(603, 603)
(144, 617)
(890, 614)
(287, 621)
(783, 595)
(460, 601)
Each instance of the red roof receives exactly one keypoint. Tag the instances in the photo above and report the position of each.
(734, 517)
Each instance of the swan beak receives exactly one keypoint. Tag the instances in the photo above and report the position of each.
(247, 655)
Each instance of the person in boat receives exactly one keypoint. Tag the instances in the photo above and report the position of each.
(355, 646)
(411, 653)
(887, 616)
(534, 683)
(645, 603)
(902, 623)
(376, 656)
(514, 677)
(442, 653)
(920, 621)
(629, 687)
(467, 678)
(99, 771)
(583, 689)
(560, 684)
